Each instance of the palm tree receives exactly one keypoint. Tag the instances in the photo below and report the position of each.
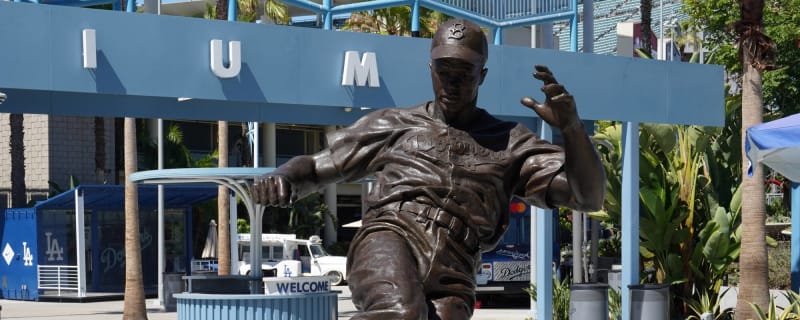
(134, 307)
(17, 146)
(646, 7)
(223, 205)
(757, 53)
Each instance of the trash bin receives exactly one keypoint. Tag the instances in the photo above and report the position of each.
(588, 301)
(173, 283)
(651, 300)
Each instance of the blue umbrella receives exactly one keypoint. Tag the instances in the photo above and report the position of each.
(777, 145)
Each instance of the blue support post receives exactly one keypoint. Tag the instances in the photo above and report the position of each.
(327, 16)
(630, 214)
(498, 36)
(573, 32)
(94, 220)
(130, 6)
(232, 8)
(795, 236)
(415, 18)
(544, 261)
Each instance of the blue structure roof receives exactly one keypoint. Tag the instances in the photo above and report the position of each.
(111, 197)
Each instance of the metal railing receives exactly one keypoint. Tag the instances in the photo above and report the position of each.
(58, 277)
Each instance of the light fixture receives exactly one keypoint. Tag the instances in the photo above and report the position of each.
(182, 99)
(3, 97)
(348, 109)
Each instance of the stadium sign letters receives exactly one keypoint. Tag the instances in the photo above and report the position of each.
(356, 72)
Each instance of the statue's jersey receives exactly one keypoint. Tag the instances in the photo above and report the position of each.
(415, 156)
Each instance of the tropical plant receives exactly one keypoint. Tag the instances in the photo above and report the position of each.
(708, 304)
(614, 304)
(307, 216)
(395, 21)
(561, 295)
(176, 154)
(274, 10)
(790, 312)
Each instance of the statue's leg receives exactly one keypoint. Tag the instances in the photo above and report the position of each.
(384, 279)
(450, 284)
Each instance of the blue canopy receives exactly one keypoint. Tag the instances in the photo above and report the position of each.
(112, 197)
(777, 145)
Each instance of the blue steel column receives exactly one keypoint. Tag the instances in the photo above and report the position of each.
(795, 236)
(232, 8)
(415, 18)
(498, 36)
(630, 214)
(544, 261)
(573, 28)
(326, 8)
(130, 6)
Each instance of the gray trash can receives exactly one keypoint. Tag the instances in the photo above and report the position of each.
(651, 300)
(173, 283)
(588, 301)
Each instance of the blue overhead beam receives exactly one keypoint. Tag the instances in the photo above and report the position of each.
(176, 64)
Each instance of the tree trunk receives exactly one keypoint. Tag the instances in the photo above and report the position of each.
(223, 207)
(222, 9)
(646, 6)
(134, 307)
(17, 145)
(753, 261)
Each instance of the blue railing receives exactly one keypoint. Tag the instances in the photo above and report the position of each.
(494, 14)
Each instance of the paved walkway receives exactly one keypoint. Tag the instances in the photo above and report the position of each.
(14, 309)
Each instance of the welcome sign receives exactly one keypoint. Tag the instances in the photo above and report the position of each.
(296, 285)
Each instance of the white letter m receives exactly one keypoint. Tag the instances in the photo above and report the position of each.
(359, 72)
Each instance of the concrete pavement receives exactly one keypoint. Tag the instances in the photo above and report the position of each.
(14, 309)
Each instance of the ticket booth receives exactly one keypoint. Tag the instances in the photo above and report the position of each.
(46, 255)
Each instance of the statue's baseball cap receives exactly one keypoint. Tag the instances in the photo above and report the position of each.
(460, 39)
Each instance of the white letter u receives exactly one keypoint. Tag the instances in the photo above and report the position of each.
(234, 59)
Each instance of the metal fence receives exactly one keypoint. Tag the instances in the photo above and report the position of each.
(58, 277)
(503, 10)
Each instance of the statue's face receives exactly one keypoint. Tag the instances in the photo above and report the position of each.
(455, 84)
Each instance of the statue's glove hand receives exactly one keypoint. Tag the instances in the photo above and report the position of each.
(274, 190)
(558, 109)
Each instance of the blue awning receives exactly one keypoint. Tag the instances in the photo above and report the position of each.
(112, 197)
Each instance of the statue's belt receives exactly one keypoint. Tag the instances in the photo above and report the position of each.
(423, 213)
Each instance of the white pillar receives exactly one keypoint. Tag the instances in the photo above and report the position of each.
(161, 250)
(577, 247)
(80, 242)
(234, 216)
(330, 200)
(268, 145)
(256, 145)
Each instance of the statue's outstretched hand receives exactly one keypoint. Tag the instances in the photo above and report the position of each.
(274, 190)
(558, 109)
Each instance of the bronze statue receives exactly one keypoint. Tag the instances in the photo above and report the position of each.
(445, 171)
